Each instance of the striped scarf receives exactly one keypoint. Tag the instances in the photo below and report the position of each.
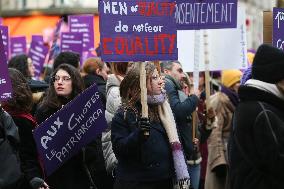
(182, 176)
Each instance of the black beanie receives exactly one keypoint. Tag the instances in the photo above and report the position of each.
(268, 64)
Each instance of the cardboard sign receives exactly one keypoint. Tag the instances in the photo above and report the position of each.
(206, 14)
(18, 45)
(278, 28)
(137, 30)
(5, 38)
(5, 82)
(38, 54)
(67, 131)
(83, 24)
(222, 55)
(72, 42)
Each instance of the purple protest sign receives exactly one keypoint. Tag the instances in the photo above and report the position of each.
(83, 24)
(38, 54)
(206, 14)
(5, 38)
(72, 42)
(138, 30)
(278, 28)
(67, 131)
(5, 82)
(37, 38)
(18, 45)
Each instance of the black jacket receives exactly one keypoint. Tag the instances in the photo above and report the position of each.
(140, 160)
(256, 152)
(28, 153)
(90, 79)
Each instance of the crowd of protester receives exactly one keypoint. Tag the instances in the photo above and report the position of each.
(233, 139)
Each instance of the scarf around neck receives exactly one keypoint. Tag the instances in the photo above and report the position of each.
(156, 99)
(233, 96)
(267, 87)
(168, 121)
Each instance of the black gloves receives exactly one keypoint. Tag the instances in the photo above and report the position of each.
(144, 125)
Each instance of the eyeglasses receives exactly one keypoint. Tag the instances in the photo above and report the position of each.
(156, 77)
(57, 78)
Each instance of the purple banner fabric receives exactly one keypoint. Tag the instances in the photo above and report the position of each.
(278, 28)
(72, 42)
(5, 38)
(67, 131)
(18, 45)
(37, 38)
(5, 82)
(38, 54)
(138, 30)
(206, 14)
(83, 24)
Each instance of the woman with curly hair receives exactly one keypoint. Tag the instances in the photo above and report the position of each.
(66, 84)
(146, 161)
(19, 107)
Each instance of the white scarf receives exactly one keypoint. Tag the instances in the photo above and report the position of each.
(267, 87)
(167, 118)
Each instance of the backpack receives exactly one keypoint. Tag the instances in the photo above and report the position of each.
(10, 171)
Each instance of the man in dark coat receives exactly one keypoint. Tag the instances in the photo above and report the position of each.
(256, 152)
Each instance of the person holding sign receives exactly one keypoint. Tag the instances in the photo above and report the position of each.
(66, 84)
(146, 161)
(19, 107)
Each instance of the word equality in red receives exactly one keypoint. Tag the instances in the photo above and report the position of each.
(156, 8)
(158, 44)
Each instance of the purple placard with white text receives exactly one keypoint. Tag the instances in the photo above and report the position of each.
(206, 14)
(38, 54)
(83, 24)
(18, 45)
(71, 42)
(278, 28)
(67, 131)
(37, 38)
(135, 31)
(5, 37)
(5, 82)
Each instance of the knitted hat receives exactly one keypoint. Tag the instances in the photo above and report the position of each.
(268, 64)
(230, 77)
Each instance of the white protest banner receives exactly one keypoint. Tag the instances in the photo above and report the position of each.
(228, 47)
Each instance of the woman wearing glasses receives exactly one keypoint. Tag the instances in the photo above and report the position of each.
(66, 85)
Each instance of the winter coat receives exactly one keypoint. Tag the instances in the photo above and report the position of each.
(90, 79)
(139, 159)
(217, 142)
(113, 97)
(28, 153)
(257, 145)
(71, 174)
(182, 111)
(112, 104)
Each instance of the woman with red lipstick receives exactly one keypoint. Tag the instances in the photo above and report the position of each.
(66, 84)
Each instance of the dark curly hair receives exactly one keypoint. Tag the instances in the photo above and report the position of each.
(52, 100)
(22, 100)
(68, 57)
(20, 62)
